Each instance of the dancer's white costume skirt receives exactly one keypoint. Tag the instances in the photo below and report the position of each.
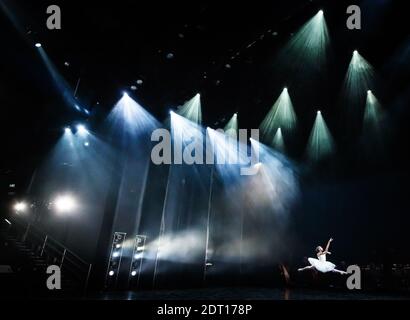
(321, 265)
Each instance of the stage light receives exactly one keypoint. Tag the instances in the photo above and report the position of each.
(111, 273)
(372, 113)
(118, 246)
(359, 78)
(307, 49)
(231, 128)
(38, 45)
(281, 115)
(191, 109)
(116, 254)
(82, 130)
(320, 143)
(65, 204)
(86, 144)
(20, 207)
(278, 142)
(131, 118)
(318, 112)
(133, 273)
(67, 130)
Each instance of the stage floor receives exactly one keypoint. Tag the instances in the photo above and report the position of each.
(247, 294)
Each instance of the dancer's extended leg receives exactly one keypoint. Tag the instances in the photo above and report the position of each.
(305, 268)
(339, 271)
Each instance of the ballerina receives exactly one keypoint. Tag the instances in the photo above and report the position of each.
(320, 264)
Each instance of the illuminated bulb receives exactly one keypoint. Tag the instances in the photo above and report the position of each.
(20, 206)
(111, 273)
(38, 45)
(82, 129)
(133, 273)
(65, 203)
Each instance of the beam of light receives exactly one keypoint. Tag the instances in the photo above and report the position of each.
(8, 11)
(130, 117)
(188, 140)
(227, 150)
(281, 115)
(276, 184)
(183, 247)
(372, 113)
(61, 84)
(359, 78)
(65, 204)
(278, 142)
(191, 109)
(308, 48)
(231, 128)
(320, 144)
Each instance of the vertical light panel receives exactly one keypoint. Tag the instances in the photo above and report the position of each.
(115, 259)
(136, 261)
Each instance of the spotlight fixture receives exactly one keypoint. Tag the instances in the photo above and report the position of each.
(318, 112)
(67, 130)
(20, 207)
(86, 144)
(82, 129)
(369, 91)
(133, 273)
(320, 12)
(355, 52)
(116, 254)
(111, 273)
(38, 45)
(65, 204)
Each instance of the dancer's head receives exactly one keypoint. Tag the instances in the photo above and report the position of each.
(319, 249)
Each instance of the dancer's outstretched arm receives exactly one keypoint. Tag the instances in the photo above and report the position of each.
(327, 247)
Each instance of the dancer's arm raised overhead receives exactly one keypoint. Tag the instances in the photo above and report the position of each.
(327, 247)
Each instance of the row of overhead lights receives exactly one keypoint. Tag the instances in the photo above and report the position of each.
(62, 204)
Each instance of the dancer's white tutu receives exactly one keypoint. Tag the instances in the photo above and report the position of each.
(321, 264)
